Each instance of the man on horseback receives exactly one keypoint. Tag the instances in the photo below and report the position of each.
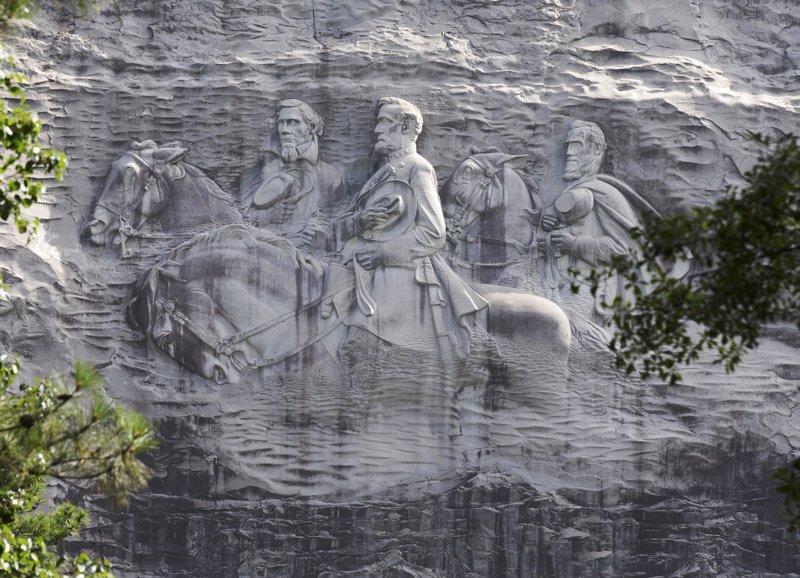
(392, 236)
(589, 222)
(293, 192)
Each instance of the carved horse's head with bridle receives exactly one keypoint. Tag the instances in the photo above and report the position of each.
(489, 206)
(151, 185)
(125, 201)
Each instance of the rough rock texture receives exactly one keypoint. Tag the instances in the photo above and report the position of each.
(610, 477)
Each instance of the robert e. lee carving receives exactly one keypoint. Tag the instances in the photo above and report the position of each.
(394, 233)
(226, 302)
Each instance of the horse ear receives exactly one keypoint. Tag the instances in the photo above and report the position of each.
(144, 145)
(167, 156)
(513, 161)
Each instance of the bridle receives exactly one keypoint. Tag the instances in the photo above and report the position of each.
(459, 229)
(126, 214)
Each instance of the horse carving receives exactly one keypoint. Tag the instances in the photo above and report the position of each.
(235, 300)
(151, 193)
(488, 206)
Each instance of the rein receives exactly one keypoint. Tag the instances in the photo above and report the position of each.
(473, 265)
(224, 346)
(126, 214)
(462, 237)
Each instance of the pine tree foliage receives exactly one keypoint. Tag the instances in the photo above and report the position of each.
(23, 160)
(65, 430)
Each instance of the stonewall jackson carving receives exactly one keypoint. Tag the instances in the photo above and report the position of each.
(590, 221)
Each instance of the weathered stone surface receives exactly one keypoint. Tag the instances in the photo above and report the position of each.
(435, 470)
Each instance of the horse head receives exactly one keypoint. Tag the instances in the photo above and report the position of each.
(135, 190)
(486, 187)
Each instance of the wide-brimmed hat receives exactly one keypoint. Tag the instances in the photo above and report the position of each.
(399, 200)
(574, 204)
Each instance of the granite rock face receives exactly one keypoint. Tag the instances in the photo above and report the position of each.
(395, 463)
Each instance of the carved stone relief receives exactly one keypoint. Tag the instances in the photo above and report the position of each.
(234, 301)
(588, 223)
(152, 194)
(227, 302)
(490, 208)
(307, 283)
(292, 191)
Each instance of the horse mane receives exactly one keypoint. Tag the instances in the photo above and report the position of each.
(529, 185)
(250, 236)
(210, 188)
(172, 154)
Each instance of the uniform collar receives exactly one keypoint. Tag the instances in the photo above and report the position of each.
(309, 151)
(400, 153)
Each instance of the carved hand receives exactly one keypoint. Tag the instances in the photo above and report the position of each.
(371, 218)
(310, 235)
(370, 259)
(549, 222)
(533, 216)
(564, 242)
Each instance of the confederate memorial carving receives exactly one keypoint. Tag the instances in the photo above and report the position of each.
(394, 237)
(354, 374)
(489, 207)
(235, 300)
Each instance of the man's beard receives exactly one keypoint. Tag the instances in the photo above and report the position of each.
(573, 171)
(289, 152)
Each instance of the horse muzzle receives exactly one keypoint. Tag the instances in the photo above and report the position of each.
(99, 232)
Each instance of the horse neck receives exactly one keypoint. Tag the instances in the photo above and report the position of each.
(194, 199)
(262, 274)
(511, 216)
(218, 201)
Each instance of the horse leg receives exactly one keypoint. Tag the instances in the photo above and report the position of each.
(532, 337)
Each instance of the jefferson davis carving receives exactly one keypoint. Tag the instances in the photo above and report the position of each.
(590, 221)
(293, 192)
(392, 236)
